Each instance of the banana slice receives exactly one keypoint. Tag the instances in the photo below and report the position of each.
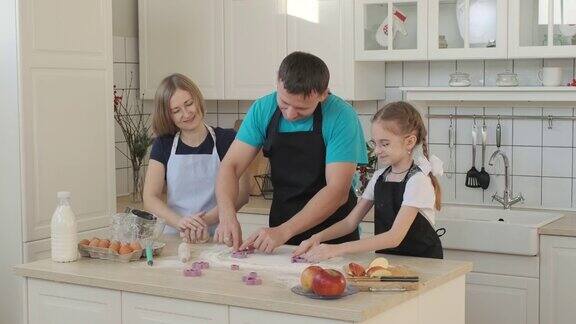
(378, 271)
(379, 262)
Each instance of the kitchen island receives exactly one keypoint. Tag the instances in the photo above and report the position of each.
(99, 291)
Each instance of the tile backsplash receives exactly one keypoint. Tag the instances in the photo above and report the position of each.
(542, 159)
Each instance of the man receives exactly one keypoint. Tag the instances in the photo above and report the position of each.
(313, 140)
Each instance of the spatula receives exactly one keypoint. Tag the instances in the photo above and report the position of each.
(483, 176)
(472, 174)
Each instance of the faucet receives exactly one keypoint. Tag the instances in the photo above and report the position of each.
(507, 199)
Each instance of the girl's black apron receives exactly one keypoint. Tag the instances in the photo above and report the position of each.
(421, 240)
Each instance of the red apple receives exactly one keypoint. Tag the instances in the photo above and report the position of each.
(307, 276)
(329, 283)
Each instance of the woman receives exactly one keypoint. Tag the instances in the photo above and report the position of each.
(185, 159)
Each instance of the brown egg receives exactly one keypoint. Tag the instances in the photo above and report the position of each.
(114, 246)
(125, 249)
(94, 242)
(104, 243)
(85, 242)
(135, 245)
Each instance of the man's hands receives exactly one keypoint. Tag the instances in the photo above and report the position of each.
(267, 239)
(229, 232)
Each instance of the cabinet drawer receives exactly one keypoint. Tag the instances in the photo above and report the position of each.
(147, 309)
(53, 302)
(255, 316)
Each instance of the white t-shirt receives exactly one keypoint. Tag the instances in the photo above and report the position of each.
(419, 193)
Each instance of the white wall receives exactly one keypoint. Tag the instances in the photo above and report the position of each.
(10, 200)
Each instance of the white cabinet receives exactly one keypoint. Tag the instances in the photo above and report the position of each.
(325, 29)
(467, 29)
(366, 229)
(254, 316)
(54, 302)
(501, 299)
(232, 48)
(407, 21)
(557, 282)
(182, 36)
(542, 28)
(250, 223)
(255, 38)
(147, 309)
(66, 114)
(38, 250)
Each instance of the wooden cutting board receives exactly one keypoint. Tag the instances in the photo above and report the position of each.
(364, 284)
(385, 286)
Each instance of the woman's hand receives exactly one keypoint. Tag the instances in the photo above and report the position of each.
(306, 245)
(323, 252)
(192, 228)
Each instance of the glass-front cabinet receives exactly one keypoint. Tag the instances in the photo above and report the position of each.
(542, 28)
(390, 30)
(467, 29)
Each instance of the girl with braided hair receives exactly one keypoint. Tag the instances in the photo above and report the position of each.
(405, 194)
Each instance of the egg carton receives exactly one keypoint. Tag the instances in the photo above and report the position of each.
(106, 254)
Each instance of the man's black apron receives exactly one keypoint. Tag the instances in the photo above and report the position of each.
(421, 240)
(298, 165)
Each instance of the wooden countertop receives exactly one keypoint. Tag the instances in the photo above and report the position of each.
(220, 286)
(256, 205)
(565, 226)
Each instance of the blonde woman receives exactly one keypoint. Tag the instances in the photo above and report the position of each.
(185, 159)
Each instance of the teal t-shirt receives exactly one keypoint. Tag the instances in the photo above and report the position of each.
(341, 128)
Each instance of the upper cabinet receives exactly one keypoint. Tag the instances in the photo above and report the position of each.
(542, 28)
(184, 36)
(390, 30)
(464, 29)
(325, 28)
(467, 29)
(232, 48)
(255, 42)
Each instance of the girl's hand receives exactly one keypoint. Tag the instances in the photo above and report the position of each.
(306, 245)
(322, 252)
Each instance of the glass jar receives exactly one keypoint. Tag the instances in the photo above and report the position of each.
(459, 79)
(507, 79)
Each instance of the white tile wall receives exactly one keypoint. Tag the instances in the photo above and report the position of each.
(475, 69)
(542, 160)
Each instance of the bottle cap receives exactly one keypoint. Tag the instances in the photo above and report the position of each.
(63, 194)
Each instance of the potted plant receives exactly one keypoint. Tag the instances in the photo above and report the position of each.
(135, 126)
(365, 171)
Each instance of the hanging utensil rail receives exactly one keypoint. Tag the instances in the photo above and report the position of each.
(549, 118)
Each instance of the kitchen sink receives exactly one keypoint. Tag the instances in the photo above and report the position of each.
(492, 230)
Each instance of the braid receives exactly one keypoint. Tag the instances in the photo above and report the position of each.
(435, 182)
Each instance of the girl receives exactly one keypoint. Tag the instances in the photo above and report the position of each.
(405, 195)
(185, 158)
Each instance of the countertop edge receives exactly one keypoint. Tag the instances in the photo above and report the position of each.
(564, 226)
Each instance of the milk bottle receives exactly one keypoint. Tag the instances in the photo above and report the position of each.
(64, 231)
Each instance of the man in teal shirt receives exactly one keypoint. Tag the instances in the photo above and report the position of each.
(313, 140)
